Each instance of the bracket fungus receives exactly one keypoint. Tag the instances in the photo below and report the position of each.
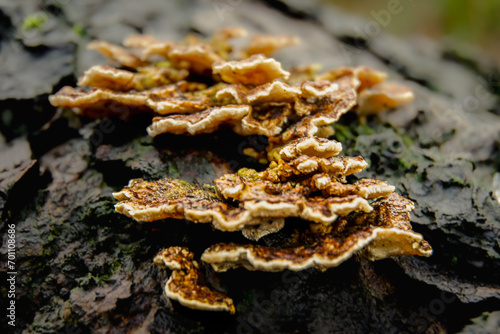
(309, 187)
(199, 86)
(186, 282)
(172, 198)
(384, 232)
(255, 70)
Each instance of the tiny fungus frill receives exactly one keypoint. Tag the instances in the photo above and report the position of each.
(186, 283)
(199, 86)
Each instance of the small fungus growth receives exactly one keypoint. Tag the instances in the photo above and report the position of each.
(200, 86)
(186, 284)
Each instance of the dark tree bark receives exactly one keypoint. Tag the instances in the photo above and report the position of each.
(83, 268)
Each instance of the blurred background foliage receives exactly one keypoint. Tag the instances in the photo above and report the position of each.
(457, 23)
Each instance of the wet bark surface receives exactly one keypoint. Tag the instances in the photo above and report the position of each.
(82, 268)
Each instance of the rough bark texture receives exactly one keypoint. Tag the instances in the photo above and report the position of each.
(83, 268)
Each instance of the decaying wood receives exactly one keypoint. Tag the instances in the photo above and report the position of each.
(84, 268)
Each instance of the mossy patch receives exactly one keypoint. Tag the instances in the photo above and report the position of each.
(34, 21)
(79, 29)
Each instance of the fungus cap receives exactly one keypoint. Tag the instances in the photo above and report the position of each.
(147, 201)
(99, 102)
(269, 44)
(383, 96)
(104, 76)
(365, 77)
(186, 285)
(206, 121)
(337, 167)
(310, 146)
(255, 70)
(384, 232)
(117, 54)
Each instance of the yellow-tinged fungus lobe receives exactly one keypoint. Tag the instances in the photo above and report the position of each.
(199, 86)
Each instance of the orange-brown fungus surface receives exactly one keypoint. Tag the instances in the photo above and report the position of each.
(382, 233)
(187, 284)
(200, 86)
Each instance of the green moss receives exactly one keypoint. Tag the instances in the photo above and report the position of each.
(173, 171)
(79, 29)
(34, 21)
(129, 249)
(55, 230)
(102, 279)
(47, 251)
(343, 132)
(421, 177)
(91, 280)
(407, 140)
(364, 129)
(408, 158)
(115, 266)
(406, 163)
(458, 181)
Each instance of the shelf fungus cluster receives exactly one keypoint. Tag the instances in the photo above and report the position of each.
(308, 181)
(199, 86)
